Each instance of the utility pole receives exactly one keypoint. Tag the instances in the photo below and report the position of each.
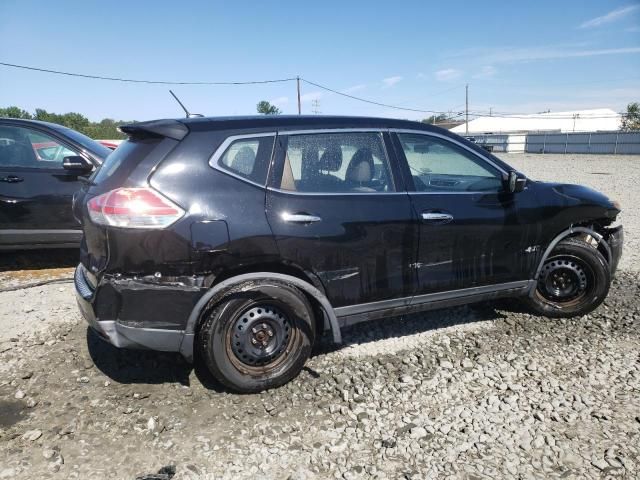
(466, 108)
(299, 106)
(491, 111)
(315, 105)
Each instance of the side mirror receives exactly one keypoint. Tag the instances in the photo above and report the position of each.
(77, 164)
(515, 183)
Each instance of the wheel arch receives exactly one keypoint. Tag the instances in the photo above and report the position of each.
(218, 290)
(570, 232)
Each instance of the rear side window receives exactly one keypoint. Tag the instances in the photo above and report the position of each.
(246, 157)
(349, 162)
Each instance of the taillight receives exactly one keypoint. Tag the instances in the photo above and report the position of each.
(133, 208)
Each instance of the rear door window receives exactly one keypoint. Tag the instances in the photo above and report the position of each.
(349, 162)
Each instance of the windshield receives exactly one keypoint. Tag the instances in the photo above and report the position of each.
(96, 149)
(124, 159)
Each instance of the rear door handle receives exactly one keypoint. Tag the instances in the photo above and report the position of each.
(437, 217)
(300, 218)
(11, 179)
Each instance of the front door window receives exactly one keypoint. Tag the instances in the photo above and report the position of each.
(438, 165)
(26, 148)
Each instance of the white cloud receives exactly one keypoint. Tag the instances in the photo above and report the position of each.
(422, 75)
(391, 81)
(610, 17)
(447, 74)
(490, 56)
(487, 71)
(355, 88)
(311, 96)
(280, 101)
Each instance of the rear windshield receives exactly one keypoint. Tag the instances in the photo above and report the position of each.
(131, 150)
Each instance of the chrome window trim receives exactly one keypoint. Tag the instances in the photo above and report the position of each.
(214, 160)
(292, 192)
(431, 297)
(312, 131)
(449, 139)
(332, 130)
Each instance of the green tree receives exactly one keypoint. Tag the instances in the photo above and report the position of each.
(266, 108)
(436, 118)
(106, 129)
(631, 121)
(14, 112)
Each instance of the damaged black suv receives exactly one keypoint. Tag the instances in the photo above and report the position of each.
(243, 239)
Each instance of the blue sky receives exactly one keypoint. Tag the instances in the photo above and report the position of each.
(516, 56)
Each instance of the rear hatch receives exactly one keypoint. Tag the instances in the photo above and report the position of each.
(127, 167)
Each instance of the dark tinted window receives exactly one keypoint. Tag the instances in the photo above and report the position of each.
(132, 150)
(87, 143)
(24, 147)
(350, 162)
(248, 158)
(438, 165)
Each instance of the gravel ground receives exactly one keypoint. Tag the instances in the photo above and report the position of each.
(484, 391)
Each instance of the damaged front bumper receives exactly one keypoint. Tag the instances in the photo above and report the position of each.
(615, 239)
(136, 313)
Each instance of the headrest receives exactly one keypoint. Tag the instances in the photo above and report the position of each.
(361, 173)
(331, 159)
(360, 168)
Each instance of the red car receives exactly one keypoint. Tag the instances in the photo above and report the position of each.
(111, 144)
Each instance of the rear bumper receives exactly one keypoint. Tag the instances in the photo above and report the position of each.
(107, 308)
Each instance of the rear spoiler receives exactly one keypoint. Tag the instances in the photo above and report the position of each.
(160, 128)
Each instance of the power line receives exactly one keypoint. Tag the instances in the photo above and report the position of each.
(474, 114)
(369, 101)
(130, 80)
(323, 87)
(546, 116)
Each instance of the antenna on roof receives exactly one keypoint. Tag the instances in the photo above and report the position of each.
(189, 115)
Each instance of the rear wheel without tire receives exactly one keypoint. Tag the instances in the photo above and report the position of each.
(258, 336)
(574, 281)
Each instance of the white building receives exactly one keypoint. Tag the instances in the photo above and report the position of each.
(599, 119)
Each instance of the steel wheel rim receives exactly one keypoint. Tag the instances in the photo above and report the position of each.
(565, 280)
(260, 337)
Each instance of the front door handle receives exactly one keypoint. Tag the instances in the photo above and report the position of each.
(11, 179)
(300, 218)
(437, 217)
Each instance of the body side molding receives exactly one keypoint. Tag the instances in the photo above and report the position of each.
(429, 297)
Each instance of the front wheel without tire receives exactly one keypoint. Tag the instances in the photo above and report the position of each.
(258, 336)
(574, 281)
